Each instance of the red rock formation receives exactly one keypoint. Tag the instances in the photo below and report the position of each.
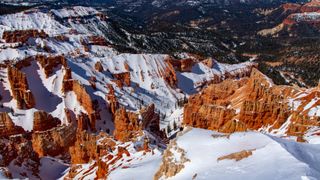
(251, 103)
(23, 63)
(83, 98)
(83, 122)
(97, 40)
(169, 75)
(208, 62)
(102, 171)
(7, 127)
(49, 63)
(182, 65)
(18, 151)
(61, 38)
(92, 82)
(123, 77)
(113, 102)
(55, 141)
(151, 121)
(313, 6)
(19, 88)
(44, 121)
(85, 148)
(98, 66)
(126, 124)
(291, 7)
(22, 35)
(86, 102)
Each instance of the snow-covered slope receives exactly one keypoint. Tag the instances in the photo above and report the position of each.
(271, 158)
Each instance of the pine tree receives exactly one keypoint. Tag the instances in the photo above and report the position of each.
(168, 129)
(175, 126)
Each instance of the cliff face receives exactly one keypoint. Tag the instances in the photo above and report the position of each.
(113, 102)
(20, 89)
(250, 104)
(7, 127)
(126, 123)
(85, 148)
(49, 63)
(22, 35)
(183, 65)
(18, 151)
(44, 121)
(312, 6)
(98, 66)
(84, 100)
(169, 75)
(151, 122)
(124, 78)
(54, 142)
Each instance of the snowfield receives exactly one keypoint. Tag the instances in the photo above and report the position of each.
(272, 157)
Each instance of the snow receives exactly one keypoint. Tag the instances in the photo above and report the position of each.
(140, 168)
(72, 103)
(306, 16)
(190, 81)
(315, 111)
(15, 54)
(76, 11)
(51, 168)
(33, 20)
(272, 158)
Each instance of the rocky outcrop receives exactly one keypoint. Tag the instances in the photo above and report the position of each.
(7, 127)
(173, 161)
(98, 66)
(249, 104)
(55, 141)
(97, 40)
(113, 102)
(298, 17)
(182, 65)
(208, 62)
(237, 156)
(43, 121)
(83, 122)
(291, 7)
(18, 151)
(50, 63)
(20, 89)
(209, 109)
(85, 148)
(84, 99)
(126, 124)
(312, 6)
(22, 35)
(151, 121)
(24, 63)
(123, 77)
(169, 75)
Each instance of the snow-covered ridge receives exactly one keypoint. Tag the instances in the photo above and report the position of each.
(75, 11)
(307, 16)
(36, 19)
